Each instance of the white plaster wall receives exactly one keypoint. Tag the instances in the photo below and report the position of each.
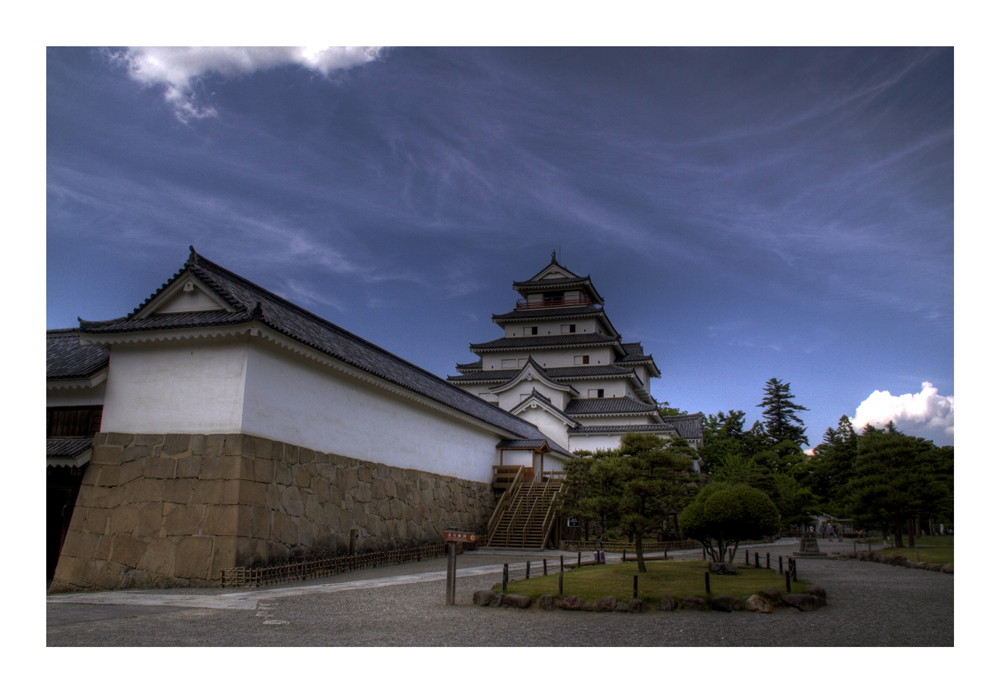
(550, 327)
(514, 458)
(551, 358)
(75, 397)
(193, 386)
(291, 399)
(612, 388)
(554, 428)
(633, 420)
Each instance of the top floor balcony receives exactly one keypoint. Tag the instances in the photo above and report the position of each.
(524, 303)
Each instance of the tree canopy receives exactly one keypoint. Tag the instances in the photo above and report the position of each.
(780, 420)
(723, 514)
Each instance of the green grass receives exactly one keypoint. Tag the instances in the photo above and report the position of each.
(677, 578)
(932, 550)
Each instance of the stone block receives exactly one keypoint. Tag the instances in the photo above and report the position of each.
(149, 520)
(129, 471)
(208, 445)
(263, 470)
(107, 475)
(307, 532)
(223, 556)
(80, 545)
(314, 509)
(803, 602)
(178, 490)
(181, 520)
(250, 550)
(159, 468)
(176, 443)
(134, 452)
(227, 521)
(143, 491)
(260, 522)
(134, 579)
(193, 557)
(227, 467)
(252, 493)
(277, 552)
(207, 492)
(106, 454)
(667, 603)
(263, 449)
(291, 501)
(108, 575)
(122, 439)
(272, 497)
(103, 550)
(123, 519)
(148, 439)
(97, 520)
(158, 559)
(283, 474)
(290, 454)
(720, 602)
(284, 529)
(234, 445)
(302, 477)
(78, 572)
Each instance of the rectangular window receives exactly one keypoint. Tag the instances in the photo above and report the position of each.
(530, 331)
(567, 329)
(581, 360)
(508, 363)
(595, 393)
(80, 422)
(521, 363)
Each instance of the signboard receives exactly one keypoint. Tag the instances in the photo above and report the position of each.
(573, 522)
(463, 537)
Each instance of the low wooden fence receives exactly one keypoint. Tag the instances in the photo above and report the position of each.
(620, 546)
(307, 570)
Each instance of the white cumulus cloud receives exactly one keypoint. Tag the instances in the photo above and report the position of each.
(178, 69)
(925, 413)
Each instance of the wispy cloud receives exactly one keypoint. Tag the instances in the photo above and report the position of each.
(178, 70)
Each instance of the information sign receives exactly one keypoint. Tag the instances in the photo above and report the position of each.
(462, 537)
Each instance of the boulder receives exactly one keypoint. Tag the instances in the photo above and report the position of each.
(803, 602)
(757, 603)
(936, 567)
(693, 604)
(621, 608)
(589, 606)
(571, 604)
(921, 564)
(817, 592)
(517, 601)
(637, 606)
(771, 595)
(948, 568)
(723, 569)
(667, 603)
(609, 603)
(909, 564)
(720, 602)
(483, 597)
(548, 602)
(737, 604)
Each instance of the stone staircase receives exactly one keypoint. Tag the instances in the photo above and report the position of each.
(525, 515)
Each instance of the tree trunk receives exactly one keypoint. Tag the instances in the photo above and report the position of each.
(736, 550)
(638, 553)
(898, 534)
(910, 528)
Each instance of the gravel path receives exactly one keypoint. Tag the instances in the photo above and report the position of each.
(868, 605)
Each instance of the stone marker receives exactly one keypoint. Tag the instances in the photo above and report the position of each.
(808, 548)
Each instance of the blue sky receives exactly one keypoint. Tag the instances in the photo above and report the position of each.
(746, 213)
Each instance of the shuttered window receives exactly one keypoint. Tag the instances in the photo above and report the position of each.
(72, 422)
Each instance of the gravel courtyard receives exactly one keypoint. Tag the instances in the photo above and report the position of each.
(869, 605)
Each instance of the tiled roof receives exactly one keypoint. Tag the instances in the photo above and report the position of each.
(596, 406)
(634, 354)
(556, 340)
(66, 358)
(68, 449)
(521, 444)
(688, 426)
(253, 303)
(474, 366)
(543, 313)
(568, 373)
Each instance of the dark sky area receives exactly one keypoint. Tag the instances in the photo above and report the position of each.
(746, 213)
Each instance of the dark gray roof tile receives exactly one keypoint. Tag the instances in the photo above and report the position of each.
(596, 406)
(511, 343)
(66, 358)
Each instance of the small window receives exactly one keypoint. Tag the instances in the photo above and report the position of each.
(595, 393)
(566, 329)
(508, 363)
(530, 331)
(581, 360)
(521, 363)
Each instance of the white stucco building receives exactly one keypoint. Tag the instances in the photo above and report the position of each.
(563, 367)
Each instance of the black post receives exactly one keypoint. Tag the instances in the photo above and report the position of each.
(527, 571)
(795, 569)
(560, 563)
(545, 566)
(579, 558)
(756, 560)
(449, 596)
(665, 557)
(768, 560)
(560, 582)
(748, 556)
(703, 554)
(780, 568)
(788, 582)
(708, 586)
(505, 578)
(623, 555)
(635, 587)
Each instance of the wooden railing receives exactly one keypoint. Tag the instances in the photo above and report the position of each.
(508, 495)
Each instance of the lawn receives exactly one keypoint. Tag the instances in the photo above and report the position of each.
(677, 578)
(932, 550)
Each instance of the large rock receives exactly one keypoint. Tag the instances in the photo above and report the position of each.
(771, 595)
(483, 597)
(571, 604)
(803, 602)
(720, 602)
(548, 602)
(948, 568)
(667, 603)
(609, 603)
(693, 604)
(621, 608)
(517, 601)
(637, 606)
(737, 604)
(723, 569)
(817, 592)
(759, 604)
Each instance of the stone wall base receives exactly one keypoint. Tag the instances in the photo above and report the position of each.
(173, 510)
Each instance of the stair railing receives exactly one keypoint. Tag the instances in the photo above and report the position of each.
(549, 522)
(504, 503)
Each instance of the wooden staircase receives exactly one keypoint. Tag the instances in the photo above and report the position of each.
(526, 513)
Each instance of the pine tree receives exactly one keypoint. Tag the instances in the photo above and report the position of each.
(780, 420)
